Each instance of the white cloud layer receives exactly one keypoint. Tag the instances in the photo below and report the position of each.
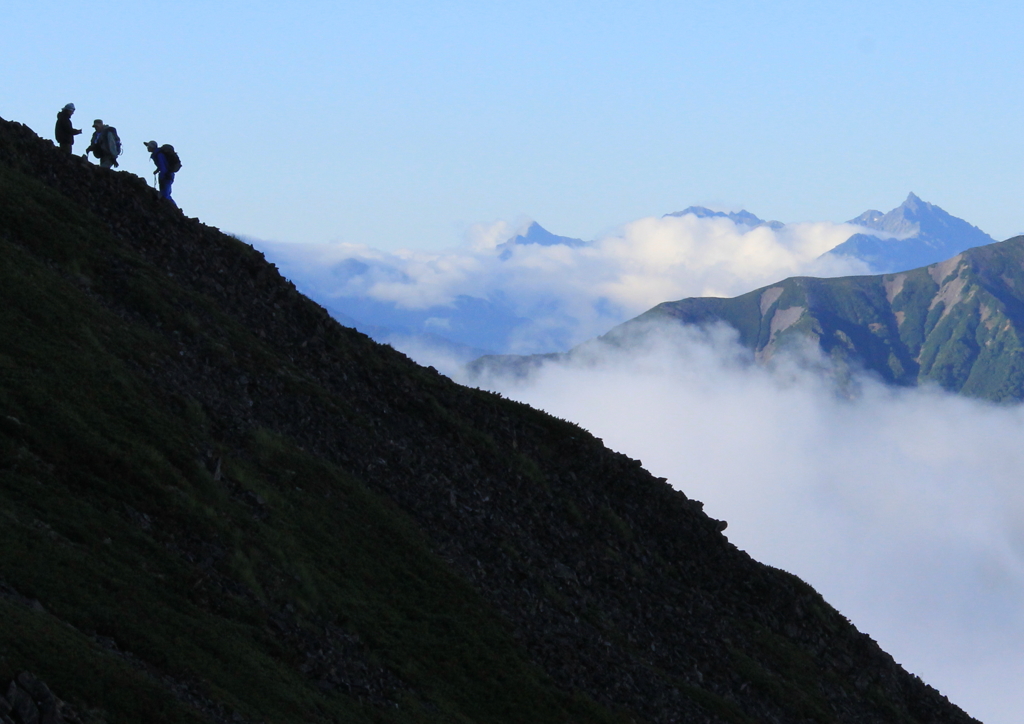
(904, 508)
(570, 294)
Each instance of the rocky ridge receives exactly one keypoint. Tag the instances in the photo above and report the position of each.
(30, 701)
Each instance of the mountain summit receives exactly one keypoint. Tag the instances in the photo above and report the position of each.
(537, 234)
(914, 234)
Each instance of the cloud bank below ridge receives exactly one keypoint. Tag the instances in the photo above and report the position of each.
(903, 507)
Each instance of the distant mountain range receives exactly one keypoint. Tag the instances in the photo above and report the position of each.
(912, 235)
(468, 327)
(958, 323)
(737, 217)
(496, 321)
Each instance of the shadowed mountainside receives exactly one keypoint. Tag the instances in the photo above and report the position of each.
(217, 504)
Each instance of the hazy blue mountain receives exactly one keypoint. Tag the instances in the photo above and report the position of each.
(404, 340)
(740, 217)
(471, 323)
(469, 327)
(915, 233)
(408, 328)
(537, 234)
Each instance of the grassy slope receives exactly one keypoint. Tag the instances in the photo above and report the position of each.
(111, 516)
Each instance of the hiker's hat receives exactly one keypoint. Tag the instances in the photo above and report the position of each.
(69, 107)
(151, 145)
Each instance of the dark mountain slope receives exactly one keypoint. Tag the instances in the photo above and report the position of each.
(217, 504)
(957, 323)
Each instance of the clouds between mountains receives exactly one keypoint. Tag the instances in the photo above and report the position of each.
(902, 506)
(547, 298)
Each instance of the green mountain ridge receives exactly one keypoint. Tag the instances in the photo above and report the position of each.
(957, 323)
(219, 505)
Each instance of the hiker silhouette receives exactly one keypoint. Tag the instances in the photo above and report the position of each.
(105, 144)
(63, 131)
(167, 164)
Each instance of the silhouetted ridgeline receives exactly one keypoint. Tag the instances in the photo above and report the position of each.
(216, 504)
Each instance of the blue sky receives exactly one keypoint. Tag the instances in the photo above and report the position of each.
(398, 124)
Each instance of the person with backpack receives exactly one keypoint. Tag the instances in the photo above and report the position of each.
(167, 164)
(105, 144)
(63, 131)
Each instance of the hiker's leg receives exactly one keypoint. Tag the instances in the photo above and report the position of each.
(165, 187)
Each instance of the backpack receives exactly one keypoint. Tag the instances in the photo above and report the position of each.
(171, 156)
(112, 141)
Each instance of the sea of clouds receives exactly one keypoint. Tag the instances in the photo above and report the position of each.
(903, 507)
(564, 295)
